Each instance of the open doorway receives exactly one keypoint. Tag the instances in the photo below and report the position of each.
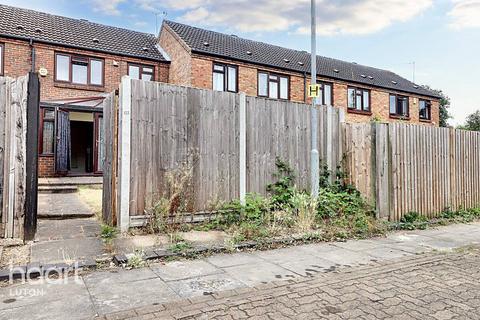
(82, 143)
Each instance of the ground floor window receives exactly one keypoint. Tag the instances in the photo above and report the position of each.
(47, 131)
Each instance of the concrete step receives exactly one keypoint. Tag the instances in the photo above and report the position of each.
(57, 189)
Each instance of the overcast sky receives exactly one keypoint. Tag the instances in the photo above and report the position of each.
(442, 37)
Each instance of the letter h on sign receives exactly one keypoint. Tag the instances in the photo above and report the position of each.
(314, 91)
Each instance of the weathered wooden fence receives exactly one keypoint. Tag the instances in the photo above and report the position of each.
(413, 168)
(231, 142)
(19, 100)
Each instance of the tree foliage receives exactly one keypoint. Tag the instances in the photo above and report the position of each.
(473, 122)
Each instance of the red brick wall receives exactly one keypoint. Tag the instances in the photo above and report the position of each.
(46, 166)
(18, 62)
(180, 66)
(201, 68)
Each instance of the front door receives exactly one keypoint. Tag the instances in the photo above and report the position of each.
(63, 145)
(99, 150)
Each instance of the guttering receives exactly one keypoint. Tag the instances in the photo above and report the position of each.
(32, 48)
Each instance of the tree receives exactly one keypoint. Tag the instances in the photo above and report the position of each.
(473, 122)
(444, 115)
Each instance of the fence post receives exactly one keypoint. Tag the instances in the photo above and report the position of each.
(243, 146)
(124, 152)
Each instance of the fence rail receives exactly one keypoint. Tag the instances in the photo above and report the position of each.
(232, 142)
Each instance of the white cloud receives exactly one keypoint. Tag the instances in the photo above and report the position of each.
(465, 14)
(109, 7)
(334, 17)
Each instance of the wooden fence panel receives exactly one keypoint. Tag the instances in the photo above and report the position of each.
(13, 136)
(413, 168)
(110, 127)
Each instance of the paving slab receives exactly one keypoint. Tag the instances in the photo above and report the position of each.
(62, 205)
(179, 270)
(41, 300)
(236, 259)
(308, 266)
(346, 257)
(68, 250)
(200, 286)
(67, 229)
(386, 253)
(263, 272)
(112, 292)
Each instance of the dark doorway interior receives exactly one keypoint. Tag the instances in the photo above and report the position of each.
(82, 147)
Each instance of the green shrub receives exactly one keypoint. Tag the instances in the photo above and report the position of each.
(283, 189)
(413, 220)
(108, 233)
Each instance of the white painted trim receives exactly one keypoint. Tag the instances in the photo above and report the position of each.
(242, 114)
(125, 107)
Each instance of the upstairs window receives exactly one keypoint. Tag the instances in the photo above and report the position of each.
(359, 100)
(425, 112)
(2, 52)
(273, 85)
(224, 77)
(141, 72)
(78, 69)
(399, 106)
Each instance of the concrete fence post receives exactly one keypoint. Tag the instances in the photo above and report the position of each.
(243, 146)
(124, 152)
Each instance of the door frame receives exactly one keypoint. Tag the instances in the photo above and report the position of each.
(96, 144)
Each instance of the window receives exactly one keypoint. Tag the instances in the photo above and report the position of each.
(359, 100)
(78, 69)
(48, 123)
(425, 107)
(399, 106)
(141, 72)
(2, 49)
(273, 85)
(224, 77)
(325, 97)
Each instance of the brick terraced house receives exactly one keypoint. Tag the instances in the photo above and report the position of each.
(212, 60)
(78, 62)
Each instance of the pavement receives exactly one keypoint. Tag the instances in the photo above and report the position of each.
(406, 274)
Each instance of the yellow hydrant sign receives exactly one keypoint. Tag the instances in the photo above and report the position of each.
(314, 91)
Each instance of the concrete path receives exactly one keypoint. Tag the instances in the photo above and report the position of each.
(62, 206)
(69, 240)
(117, 290)
(65, 240)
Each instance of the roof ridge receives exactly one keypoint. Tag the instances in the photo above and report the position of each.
(77, 19)
(275, 45)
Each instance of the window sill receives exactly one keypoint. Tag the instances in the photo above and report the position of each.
(426, 120)
(46, 155)
(79, 87)
(355, 111)
(392, 116)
